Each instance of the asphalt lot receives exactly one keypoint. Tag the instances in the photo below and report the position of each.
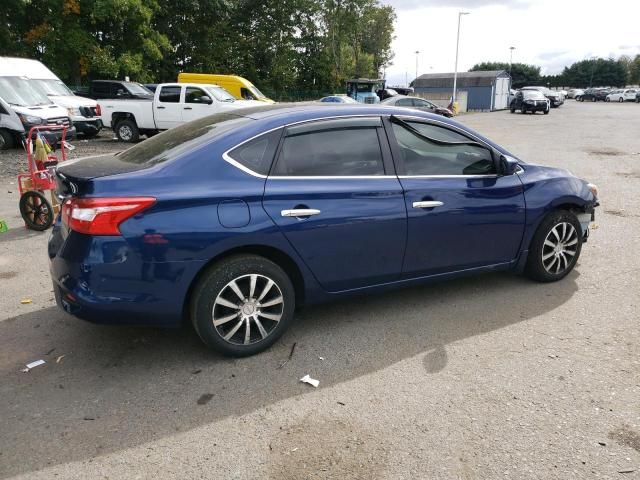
(481, 378)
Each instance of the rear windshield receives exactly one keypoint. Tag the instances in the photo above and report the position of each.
(179, 140)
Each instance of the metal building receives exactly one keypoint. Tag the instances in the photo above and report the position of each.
(481, 90)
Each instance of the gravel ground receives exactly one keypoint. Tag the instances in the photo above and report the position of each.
(480, 378)
(14, 161)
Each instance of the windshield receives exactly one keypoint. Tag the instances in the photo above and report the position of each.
(19, 91)
(53, 87)
(533, 95)
(138, 89)
(258, 94)
(220, 94)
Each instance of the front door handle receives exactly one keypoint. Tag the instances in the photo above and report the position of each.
(427, 204)
(188, 108)
(299, 212)
(160, 107)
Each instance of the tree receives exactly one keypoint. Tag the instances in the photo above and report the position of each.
(521, 73)
(596, 72)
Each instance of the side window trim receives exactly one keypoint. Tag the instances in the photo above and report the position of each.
(397, 155)
(228, 158)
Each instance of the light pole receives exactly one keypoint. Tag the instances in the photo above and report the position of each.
(455, 71)
(511, 58)
(417, 53)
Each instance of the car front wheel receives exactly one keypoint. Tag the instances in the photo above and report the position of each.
(242, 305)
(555, 247)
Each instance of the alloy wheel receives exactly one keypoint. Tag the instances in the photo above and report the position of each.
(560, 247)
(125, 132)
(248, 309)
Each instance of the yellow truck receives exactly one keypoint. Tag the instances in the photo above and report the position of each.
(239, 87)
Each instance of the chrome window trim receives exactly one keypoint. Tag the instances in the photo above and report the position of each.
(241, 167)
(492, 175)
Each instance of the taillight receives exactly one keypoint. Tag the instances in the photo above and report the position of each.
(98, 110)
(102, 216)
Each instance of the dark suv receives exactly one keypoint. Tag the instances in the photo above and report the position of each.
(116, 89)
(530, 101)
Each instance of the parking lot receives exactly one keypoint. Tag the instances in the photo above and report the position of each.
(486, 377)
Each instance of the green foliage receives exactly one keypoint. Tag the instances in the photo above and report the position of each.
(297, 45)
(594, 73)
(521, 73)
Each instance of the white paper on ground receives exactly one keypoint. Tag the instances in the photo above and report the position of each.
(310, 381)
(31, 365)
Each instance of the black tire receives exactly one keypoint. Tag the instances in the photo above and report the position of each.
(6, 140)
(92, 134)
(546, 111)
(513, 110)
(620, 100)
(523, 110)
(594, 99)
(205, 305)
(607, 99)
(127, 131)
(36, 210)
(580, 99)
(557, 265)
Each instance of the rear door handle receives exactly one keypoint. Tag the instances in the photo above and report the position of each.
(188, 108)
(299, 212)
(427, 204)
(160, 107)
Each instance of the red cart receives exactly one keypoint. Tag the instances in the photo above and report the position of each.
(37, 211)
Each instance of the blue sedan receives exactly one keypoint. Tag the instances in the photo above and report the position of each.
(234, 220)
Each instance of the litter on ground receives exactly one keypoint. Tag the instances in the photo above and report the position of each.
(310, 381)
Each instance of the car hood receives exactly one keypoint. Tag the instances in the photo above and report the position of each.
(72, 101)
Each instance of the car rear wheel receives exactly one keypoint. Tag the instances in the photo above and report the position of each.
(127, 131)
(546, 111)
(621, 100)
(523, 110)
(555, 247)
(242, 305)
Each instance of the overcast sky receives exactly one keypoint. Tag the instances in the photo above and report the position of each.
(549, 33)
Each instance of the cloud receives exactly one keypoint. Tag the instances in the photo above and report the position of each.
(415, 4)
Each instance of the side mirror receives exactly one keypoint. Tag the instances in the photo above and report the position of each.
(206, 99)
(508, 165)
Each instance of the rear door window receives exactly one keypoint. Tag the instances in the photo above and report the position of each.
(334, 148)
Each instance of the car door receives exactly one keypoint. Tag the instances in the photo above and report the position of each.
(461, 213)
(333, 193)
(167, 108)
(423, 105)
(197, 104)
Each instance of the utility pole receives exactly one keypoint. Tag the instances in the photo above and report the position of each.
(455, 71)
(417, 53)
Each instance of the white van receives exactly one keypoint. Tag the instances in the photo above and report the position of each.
(84, 112)
(33, 108)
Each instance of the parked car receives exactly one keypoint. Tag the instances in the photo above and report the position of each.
(116, 89)
(151, 86)
(404, 90)
(555, 98)
(173, 104)
(235, 220)
(337, 99)
(638, 96)
(594, 95)
(240, 88)
(530, 101)
(574, 92)
(83, 112)
(417, 103)
(626, 95)
(33, 108)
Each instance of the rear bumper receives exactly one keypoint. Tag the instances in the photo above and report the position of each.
(106, 280)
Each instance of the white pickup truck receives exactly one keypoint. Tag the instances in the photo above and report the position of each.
(173, 104)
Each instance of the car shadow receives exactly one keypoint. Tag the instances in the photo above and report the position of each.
(19, 233)
(105, 389)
